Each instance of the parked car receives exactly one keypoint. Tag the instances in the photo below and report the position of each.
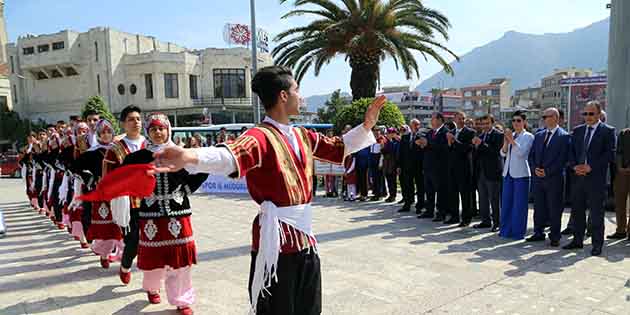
(9, 165)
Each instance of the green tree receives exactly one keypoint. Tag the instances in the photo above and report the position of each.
(354, 114)
(332, 106)
(365, 32)
(98, 104)
(15, 129)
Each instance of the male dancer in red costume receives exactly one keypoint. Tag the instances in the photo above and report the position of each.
(277, 160)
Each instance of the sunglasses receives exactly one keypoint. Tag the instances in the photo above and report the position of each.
(546, 116)
(517, 120)
(589, 114)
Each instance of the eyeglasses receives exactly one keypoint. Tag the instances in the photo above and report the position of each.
(589, 114)
(546, 116)
(517, 120)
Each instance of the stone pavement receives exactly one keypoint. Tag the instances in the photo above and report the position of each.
(374, 261)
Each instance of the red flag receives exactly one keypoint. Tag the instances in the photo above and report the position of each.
(129, 180)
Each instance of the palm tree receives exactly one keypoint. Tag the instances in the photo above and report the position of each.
(365, 32)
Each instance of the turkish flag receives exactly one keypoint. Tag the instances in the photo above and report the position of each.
(129, 180)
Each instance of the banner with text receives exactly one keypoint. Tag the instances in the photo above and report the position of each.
(222, 184)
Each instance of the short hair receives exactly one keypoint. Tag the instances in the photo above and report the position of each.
(596, 104)
(269, 82)
(521, 114)
(90, 112)
(459, 112)
(50, 126)
(74, 117)
(561, 113)
(61, 122)
(487, 116)
(438, 115)
(128, 110)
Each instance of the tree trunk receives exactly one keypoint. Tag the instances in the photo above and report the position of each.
(363, 79)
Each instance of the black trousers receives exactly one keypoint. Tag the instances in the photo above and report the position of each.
(56, 202)
(362, 181)
(131, 239)
(298, 290)
(86, 218)
(461, 191)
(583, 197)
(436, 186)
(391, 185)
(412, 182)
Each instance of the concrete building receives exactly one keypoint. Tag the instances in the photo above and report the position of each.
(6, 101)
(412, 104)
(488, 98)
(532, 114)
(619, 65)
(53, 75)
(527, 98)
(550, 86)
(448, 102)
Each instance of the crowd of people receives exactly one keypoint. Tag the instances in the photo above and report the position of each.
(463, 169)
(452, 172)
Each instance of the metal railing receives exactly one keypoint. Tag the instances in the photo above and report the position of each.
(219, 102)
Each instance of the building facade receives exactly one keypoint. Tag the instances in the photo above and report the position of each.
(412, 104)
(53, 75)
(577, 91)
(551, 91)
(527, 98)
(488, 98)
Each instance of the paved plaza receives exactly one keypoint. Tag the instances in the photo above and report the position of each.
(374, 261)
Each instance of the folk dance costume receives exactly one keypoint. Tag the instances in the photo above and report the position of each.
(166, 248)
(103, 231)
(350, 177)
(39, 184)
(114, 158)
(26, 164)
(285, 271)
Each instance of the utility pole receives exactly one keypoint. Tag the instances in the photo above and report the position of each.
(255, 103)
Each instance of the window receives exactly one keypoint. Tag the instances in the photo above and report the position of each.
(478, 93)
(229, 83)
(193, 87)
(28, 50)
(58, 45)
(56, 74)
(12, 65)
(41, 75)
(133, 89)
(96, 51)
(148, 85)
(121, 89)
(171, 88)
(489, 93)
(43, 48)
(98, 84)
(468, 93)
(15, 95)
(70, 71)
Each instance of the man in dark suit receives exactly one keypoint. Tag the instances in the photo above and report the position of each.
(410, 168)
(548, 158)
(435, 165)
(489, 164)
(592, 150)
(460, 167)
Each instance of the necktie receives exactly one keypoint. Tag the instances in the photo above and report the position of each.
(544, 148)
(587, 143)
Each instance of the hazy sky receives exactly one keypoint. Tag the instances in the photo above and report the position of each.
(199, 24)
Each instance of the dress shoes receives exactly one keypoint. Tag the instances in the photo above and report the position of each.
(535, 238)
(573, 245)
(404, 209)
(567, 231)
(596, 251)
(390, 199)
(482, 226)
(438, 218)
(425, 215)
(494, 228)
(464, 224)
(125, 277)
(617, 236)
(401, 201)
(452, 220)
(555, 243)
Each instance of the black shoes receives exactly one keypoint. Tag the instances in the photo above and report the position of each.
(390, 199)
(401, 201)
(452, 220)
(535, 238)
(555, 243)
(617, 236)
(596, 251)
(425, 215)
(438, 218)
(573, 245)
(495, 228)
(464, 224)
(482, 226)
(404, 209)
(567, 231)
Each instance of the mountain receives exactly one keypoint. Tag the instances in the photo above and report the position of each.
(316, 101)
(526, 58)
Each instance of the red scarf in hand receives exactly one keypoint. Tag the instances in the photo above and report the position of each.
(129, 180)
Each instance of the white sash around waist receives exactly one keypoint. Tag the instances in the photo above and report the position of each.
(272, 238)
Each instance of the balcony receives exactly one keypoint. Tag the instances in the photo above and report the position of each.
(242, 103)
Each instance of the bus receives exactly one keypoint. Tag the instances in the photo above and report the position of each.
(232, 129)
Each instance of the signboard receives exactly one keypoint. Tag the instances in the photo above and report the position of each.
(602, 79)
(222, 184)
(240, 34)
(582, 94)
(325, 168)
